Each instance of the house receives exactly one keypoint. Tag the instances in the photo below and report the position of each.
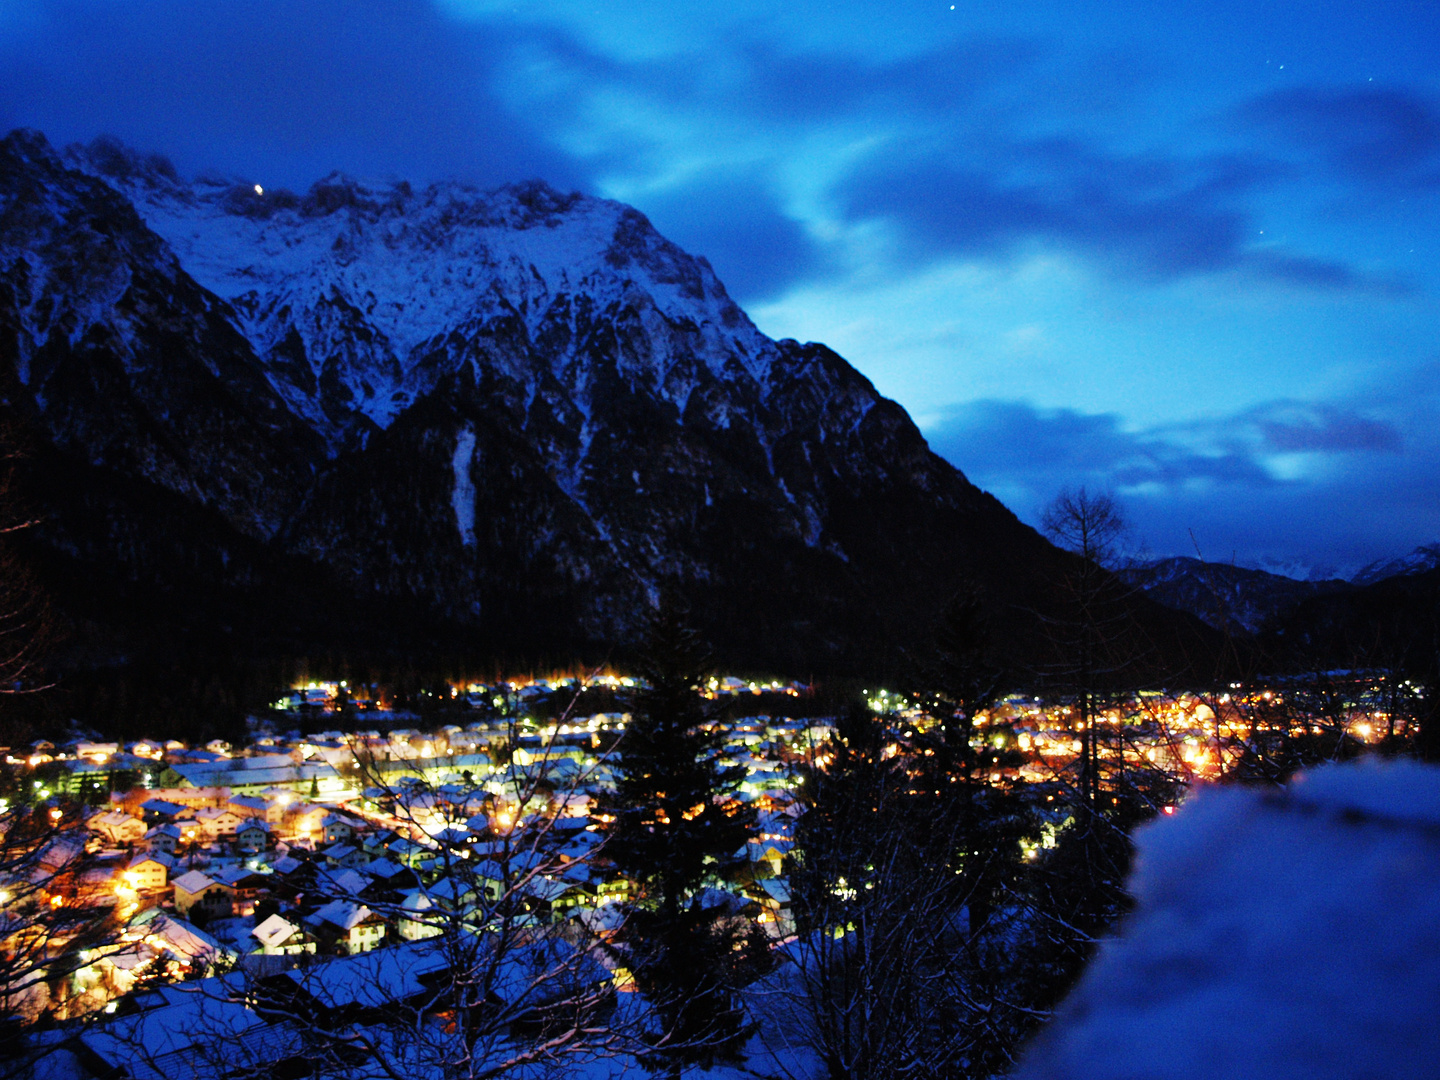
(341, 884)
(767, 857)
(147, 871)
(406, 851)
(347, 928)
(159, 811)
(776, 914)
(117, 826)
(256, 806)
(253, 836)
(550, 898)
(415, 923)
(358, 989)
(344, 856)
(163, 838)
(95, 751)
(277, 936)
(246, 887)
(305, 819)
(216, 822)
(339, 828)
(195, 890)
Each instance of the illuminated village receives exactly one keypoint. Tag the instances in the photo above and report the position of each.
(302, 851)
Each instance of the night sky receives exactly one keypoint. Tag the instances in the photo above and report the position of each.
(1186, 252)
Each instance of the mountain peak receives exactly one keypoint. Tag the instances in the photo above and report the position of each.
(519, 410)
(360, 296)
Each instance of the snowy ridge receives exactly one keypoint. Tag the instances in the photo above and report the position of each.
(351, 292)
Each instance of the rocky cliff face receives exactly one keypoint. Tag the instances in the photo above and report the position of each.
(521, 411)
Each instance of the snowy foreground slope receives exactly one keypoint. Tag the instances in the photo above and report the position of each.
(1282, 935)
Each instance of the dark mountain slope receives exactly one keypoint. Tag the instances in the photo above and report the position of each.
(507, 418)
(1223, 594)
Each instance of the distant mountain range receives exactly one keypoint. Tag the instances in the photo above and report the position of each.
(504, 418)
(1251, 602)
(1223, 595)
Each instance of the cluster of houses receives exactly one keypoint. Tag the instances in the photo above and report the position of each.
(302, 849)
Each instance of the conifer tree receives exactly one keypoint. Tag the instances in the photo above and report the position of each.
(676, 825)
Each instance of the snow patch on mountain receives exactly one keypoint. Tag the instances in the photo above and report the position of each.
(462, 496)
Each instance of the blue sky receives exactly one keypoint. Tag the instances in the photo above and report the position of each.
(1184, 251)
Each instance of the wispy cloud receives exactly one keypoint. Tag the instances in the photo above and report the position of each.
(1387, 135)
(1228, 483)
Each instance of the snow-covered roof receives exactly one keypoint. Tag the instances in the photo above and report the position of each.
(161, 806)
(383, 868)
(341, 882)
(275, 931)
(373, 979)
(193, 882)
(344, 914)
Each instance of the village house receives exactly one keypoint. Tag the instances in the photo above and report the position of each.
(117, 827)
(346, 928)
(159, 811)
(256, 806)
(246, 887)
(148, 871)
(253, 836)
(344, 856)
(339, 828)
(163, 838)
(304, 819)
(195, 891)
(216, 822)
(277, 936)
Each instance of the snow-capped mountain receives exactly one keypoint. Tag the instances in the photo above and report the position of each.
(524, 412)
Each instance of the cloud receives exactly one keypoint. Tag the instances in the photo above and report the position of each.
(1382, 136)
(285, 90)
(775, 152)
(734, 222)
(1017, 445)
(1145, 216)
(1322, 429)
(958, 150)
(1219, 482)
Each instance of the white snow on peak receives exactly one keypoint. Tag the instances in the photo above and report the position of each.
(462, 496)
(372, 276)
